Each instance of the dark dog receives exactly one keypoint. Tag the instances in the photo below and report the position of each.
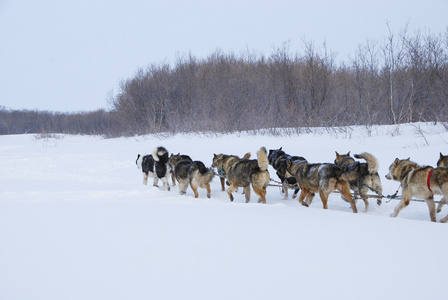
(277, 159)
(361, 176)
(244, 172)
(155, 166)
(193, 173)
(320, 178)
(174, 159)
(222, 162)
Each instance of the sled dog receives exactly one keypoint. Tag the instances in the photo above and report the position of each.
(442, 163)
(322, 178)
(244, 172)
(193, 173)
(155, 166)
(419, 181)
(174, 159)
(277, 159)
(222, 162)
(361, 176)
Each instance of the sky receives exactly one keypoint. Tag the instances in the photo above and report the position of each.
(71, 56)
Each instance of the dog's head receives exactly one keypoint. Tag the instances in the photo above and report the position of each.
(174, 160)
(216, 158)
(399, 168)
(443, 161)
(274, 154)
(343, 159)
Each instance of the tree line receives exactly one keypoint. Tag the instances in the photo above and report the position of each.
(402, 79)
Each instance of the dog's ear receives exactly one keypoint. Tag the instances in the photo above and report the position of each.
(408, 158)
(396, 160)
(280, 148)
(337, 154)
(441, 155)
(348, 154)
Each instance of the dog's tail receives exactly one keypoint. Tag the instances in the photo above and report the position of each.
(206, 174)
(262, 158)
(160, 154)
(371, 160)
(247, 155)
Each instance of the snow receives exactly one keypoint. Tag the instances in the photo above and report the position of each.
(76, 222)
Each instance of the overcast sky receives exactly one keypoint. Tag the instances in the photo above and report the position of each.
(69, 55)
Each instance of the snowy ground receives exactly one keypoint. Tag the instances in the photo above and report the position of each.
(76, 222)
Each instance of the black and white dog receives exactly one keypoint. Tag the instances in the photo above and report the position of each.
(155, 166)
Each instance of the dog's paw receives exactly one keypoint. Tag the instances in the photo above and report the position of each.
(305, 204)
(209, 195)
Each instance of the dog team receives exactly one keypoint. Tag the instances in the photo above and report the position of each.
(344, 175)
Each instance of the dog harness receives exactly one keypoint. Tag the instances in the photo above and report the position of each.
(428, 181)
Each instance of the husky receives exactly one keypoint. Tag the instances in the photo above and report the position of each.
(244, 172)
(174, 159)
(419, 181)
(195, 174)
(322, 178)
(442, 163)
(277, 159)
(361, 176)
(155, 166)
(222, 162)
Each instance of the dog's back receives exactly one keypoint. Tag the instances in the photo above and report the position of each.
(199, 172)
(146, 163)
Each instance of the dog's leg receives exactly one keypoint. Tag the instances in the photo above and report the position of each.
(432, 208)
(246, 191)
(309, 199)
(209, 191)
(303, 194)
(324, 198)
(145, 179)
(194, 187)
(231, 189)
(260, 191)
(344, 188)
(296, 191)
(173, 178)
(405, 199)
(363, 190)
(223, 188)
(366, 203)
(183, 184)
(441, 204)
(156, 181)
(166, 183)
(444, 219)
(285, 189)
(379, 190)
